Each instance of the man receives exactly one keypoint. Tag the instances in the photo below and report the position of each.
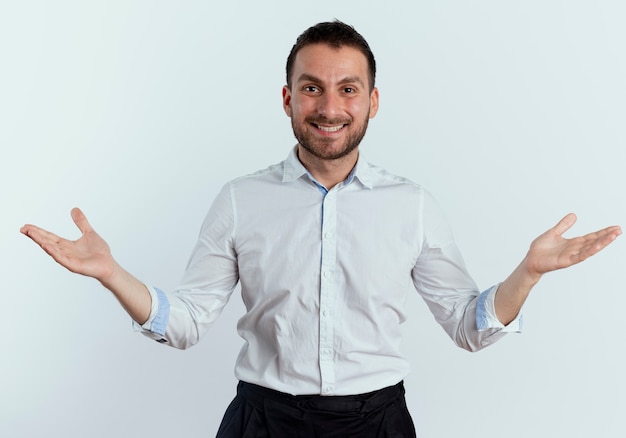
(326, 247)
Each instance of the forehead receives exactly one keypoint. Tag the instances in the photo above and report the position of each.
(331, 64)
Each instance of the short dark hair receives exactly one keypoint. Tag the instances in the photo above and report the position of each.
(336, 34)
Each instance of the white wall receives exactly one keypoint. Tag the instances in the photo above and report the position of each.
(511, 113)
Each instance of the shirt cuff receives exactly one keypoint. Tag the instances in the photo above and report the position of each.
(156, 324)
(486, 314)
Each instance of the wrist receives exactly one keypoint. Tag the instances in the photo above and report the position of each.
(111, 275)
(530, 275)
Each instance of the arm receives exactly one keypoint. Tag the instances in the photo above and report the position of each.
(441, 278)
(90, 256)
(548, 252)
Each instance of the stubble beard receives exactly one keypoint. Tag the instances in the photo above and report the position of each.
(320, 147)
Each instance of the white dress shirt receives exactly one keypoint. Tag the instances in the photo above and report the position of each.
(324, 277)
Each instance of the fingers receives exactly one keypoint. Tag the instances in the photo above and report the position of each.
(80, 220)
(601, 239)
(61, 250)
(39, 235)
(42, 237)
(49, 242)
(583, 247)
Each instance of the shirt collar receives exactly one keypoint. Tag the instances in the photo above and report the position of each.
(293, 169)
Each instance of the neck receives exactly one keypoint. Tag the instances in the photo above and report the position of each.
(328, 172)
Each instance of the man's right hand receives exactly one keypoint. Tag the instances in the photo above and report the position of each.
(90, 255)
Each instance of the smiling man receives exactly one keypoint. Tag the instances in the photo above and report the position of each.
(326, 248)
(330, 97)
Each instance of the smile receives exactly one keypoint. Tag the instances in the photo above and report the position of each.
(328, 128)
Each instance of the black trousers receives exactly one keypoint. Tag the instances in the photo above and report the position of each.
(258, 412)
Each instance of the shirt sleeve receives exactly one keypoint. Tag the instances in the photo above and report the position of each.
(441, 278)
(155, 326)
(179, 319)
(486, 314)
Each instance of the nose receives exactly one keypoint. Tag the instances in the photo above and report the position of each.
(329, 105)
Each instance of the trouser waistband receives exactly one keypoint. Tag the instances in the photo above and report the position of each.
(256, 395)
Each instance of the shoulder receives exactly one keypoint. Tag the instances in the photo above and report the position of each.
(380, 177)
(270, 174)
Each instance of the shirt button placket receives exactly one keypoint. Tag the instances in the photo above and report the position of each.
(327, 293)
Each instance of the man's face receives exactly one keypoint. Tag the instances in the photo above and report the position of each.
(329, 101)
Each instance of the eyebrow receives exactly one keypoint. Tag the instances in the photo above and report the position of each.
(305, 77)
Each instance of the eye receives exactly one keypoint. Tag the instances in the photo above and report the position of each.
(310, 89)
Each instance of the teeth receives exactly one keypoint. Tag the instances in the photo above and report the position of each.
(330, 128)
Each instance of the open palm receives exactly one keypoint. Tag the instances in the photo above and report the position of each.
(89, 255)
(551, 251)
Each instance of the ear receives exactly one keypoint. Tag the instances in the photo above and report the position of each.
(373, 102)
(287, 100)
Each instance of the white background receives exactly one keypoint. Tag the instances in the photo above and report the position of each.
(512, 113)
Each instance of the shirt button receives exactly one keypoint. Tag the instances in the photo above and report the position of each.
(328, 235)
(325, 313)
(328, 274)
